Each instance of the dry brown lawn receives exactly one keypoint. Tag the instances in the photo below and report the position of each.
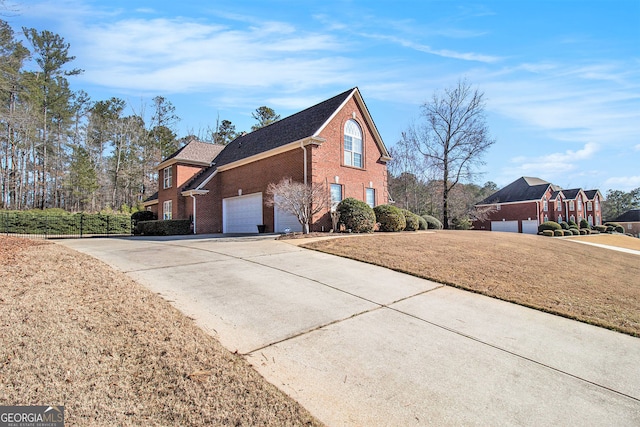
(583, 282)
(74, 332)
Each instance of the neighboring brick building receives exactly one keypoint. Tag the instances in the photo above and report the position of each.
(630, 221)
(528, 202)
(335, 143)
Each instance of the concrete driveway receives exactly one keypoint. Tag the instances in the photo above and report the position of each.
(360, 345)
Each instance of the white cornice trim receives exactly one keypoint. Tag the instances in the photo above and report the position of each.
(194, 192)
(150, 203)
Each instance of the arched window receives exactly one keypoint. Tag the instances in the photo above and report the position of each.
(352, 144)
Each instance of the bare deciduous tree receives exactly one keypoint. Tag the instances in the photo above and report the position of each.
(453, 137)
(296, 198)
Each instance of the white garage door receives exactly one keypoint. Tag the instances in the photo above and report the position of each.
(530, 227)
(285, 222)
(510, 226)
(242, 214)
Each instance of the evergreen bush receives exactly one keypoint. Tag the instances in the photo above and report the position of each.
(433, 223)
(549, 225)
(171, 227)
(548, 233)
(390, 218)
(356, 215)
(558, 233)
(564, 225)
(411, 220)
(584, 223)
(422, 223)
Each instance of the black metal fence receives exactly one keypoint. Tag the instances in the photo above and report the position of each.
(26, 224)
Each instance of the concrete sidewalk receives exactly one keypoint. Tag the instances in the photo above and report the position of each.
(360, 345)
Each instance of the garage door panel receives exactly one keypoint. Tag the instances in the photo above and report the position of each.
(530, 227)
(242, 214)
(285, 222)
(507, 226)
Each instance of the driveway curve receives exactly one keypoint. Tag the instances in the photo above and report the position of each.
(360, 345)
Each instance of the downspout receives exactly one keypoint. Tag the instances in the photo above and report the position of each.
(304, 150)
(194, 212)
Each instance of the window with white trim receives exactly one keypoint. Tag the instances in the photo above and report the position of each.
(589, 206)
(572, 205)
(559, 218)
(579, 204)
(545, 205)
(336, 196)
(352, 144)
(559, 202)
(167, 209)
(371, 196)
(546, 218)
(168, 177)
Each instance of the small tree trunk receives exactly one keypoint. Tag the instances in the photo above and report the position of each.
(305, 228)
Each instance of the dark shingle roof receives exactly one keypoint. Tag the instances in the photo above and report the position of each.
(591, 194)
(571, 193)
(522, 189)
(632, 215)
(296, 127)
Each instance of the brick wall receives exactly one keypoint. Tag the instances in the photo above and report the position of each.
(327, 162)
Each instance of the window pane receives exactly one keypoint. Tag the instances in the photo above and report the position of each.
(357, 145)
(371, 197)
(336, 194)
(357, 160)
(347, 158)
(348, 143)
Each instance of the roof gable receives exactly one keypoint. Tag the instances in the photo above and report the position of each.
(194, 152)
(519, 190)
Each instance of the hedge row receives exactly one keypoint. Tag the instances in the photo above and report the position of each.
(170, 227)
(58, 222)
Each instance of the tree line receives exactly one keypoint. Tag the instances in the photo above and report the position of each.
(60, 149)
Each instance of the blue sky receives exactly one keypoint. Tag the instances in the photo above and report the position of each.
(561, 78)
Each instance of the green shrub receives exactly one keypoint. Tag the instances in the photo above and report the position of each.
(460, 223)
(548, 233)
(558, 233)
(139, 216)
(614, 227)
(170, 227)
(356, 215)
(582, 232)
(584, 223)
(600, 228)
(564, 225)
(574, 231)
(390, 218)
(433, 223)
(549, 225)
(58, 222)
(595, 232)
(423, 223)
(411, 220)
(572, 224)
(567, 232)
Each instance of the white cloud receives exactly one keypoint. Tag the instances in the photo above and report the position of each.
(637, 147)
(623, 183)
(173, 55)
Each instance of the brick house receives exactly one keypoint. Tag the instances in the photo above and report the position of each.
(528, 202)
(174, 172)
(335, 143)
(630, 221)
